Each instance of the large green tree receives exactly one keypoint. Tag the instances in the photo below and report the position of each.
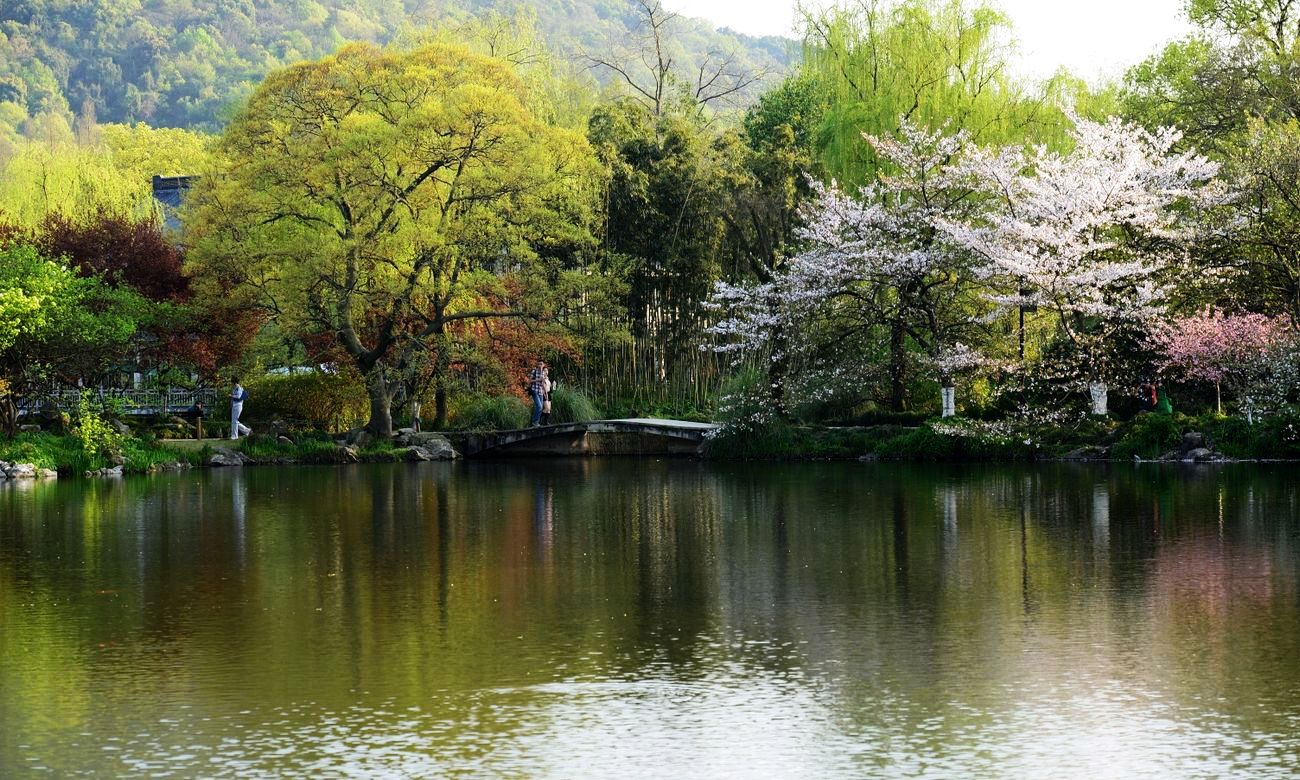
(385, 197)
(57, 326)
(1233, 88)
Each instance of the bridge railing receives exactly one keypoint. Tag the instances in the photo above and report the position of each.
(132, 402)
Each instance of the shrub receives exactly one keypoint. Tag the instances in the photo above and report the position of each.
(957, 439)
(773, 440)
(1233, 436)
(875, 416)
(569, 405)
(743, 405)
(492, 413)
(317, 400)
(99, 440)
(1148, 436)
(1278, 435)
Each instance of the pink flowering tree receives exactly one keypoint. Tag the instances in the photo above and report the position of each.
(1089, 236)
(877, 274)
(1221, 349)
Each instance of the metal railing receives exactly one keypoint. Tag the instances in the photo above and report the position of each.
(133, 402)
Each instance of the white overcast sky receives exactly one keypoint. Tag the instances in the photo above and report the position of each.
(1095, 40)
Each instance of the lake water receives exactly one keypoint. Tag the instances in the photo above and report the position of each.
(654, 619)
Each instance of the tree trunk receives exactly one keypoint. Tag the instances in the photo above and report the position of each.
(1218, 400)
(441, 366)
(897, 369)
(381, 405)
(1097, 392)
(9, 415)
(440, 406)
(948, 399)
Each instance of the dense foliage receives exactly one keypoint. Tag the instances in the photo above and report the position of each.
(57, 326)
(386, 199)
(899, 224)
(188, 63)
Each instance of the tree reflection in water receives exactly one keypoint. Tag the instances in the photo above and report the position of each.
(528, 617)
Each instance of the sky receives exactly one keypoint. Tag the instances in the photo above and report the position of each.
(1096, 40)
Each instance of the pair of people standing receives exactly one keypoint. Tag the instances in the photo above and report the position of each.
(539, 387)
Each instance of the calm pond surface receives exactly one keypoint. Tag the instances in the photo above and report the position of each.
(641, 618)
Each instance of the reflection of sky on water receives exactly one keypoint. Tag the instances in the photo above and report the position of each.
(745, 724)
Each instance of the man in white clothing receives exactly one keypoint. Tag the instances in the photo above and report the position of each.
(238, 395)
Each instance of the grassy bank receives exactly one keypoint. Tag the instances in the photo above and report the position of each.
(1146, 436)
(68, 455)
(783, 441)
(142, 455)
(313, 448)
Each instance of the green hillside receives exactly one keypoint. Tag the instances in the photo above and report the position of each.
(185, 63)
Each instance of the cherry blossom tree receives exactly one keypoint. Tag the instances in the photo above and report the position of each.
(1220, 348)
(1091, 235)
(952, 362)
(876, 267)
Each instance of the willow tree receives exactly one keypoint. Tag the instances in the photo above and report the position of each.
(928, 62)
(384, 198)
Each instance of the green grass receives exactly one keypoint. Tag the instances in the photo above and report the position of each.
(572, 406)
(492, 413)
(66, 455)
(45, 451)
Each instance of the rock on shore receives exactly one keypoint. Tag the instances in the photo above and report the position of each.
(24, 471)
(427, 446)
(224, 456)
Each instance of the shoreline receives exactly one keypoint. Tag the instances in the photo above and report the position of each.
(44, 456)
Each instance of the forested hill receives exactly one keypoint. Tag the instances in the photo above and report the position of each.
(184, 63)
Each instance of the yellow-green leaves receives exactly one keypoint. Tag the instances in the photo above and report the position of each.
(376, 195)
(113, 174)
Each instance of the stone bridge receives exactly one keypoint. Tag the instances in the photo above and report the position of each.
(598, 437)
